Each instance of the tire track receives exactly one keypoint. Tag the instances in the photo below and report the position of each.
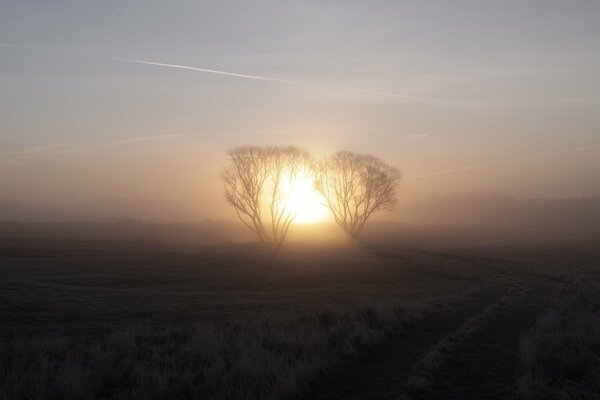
(382, 368)
(482, 363)
(466, 352)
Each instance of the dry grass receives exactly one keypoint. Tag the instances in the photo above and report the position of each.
(561, 354)
(256, 360)
(210, 323)
(427, 370)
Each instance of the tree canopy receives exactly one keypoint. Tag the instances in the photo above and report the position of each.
(254, 187)
(257, 184)
(355, 186)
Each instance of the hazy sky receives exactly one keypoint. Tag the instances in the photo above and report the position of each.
(114, 108)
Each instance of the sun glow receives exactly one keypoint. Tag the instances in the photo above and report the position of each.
(303, 200)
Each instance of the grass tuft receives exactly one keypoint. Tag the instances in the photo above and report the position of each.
(259, 359)
(560, 356)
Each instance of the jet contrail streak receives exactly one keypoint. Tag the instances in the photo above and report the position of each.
(15, 46)
(499, 162)
(65, 148)
(400, 96)
(40, 149)
(210, 71)
(240, 132)
(117, 143)
(138, 139)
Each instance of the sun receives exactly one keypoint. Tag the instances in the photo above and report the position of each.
(303, 200)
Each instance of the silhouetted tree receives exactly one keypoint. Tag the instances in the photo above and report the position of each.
(244, 180)
(355, 186)
(253, 186)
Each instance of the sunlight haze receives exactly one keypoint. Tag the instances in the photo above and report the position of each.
(127, 109)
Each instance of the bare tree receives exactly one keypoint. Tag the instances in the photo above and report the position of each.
(254, 185)
(284, 163)
(355, 186)
(244, 180)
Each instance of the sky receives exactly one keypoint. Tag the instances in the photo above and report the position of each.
(127, 108)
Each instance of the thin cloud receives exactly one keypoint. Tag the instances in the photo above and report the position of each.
(401, 96)
(138, 139)
(210, 71)
(11, 158)
(49, 148)
(15, 46)
(507, 161)
(69, 148)
(119, 143)
(242, 132)
(71, 151)
(10, 162)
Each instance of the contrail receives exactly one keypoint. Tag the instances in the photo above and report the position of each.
(241, 132)
(266, 78)
(400, 96)
(210, 71)
(15, 46)
(73, 147)
(507, 161)
(137, 139)
(40, 149)
(118, 143)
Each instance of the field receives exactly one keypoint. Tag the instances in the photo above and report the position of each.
(90, 318)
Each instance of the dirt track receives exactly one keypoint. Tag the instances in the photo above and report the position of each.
(467, 352)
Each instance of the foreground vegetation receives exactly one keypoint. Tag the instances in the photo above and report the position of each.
(561, 354)
(222, 323)
(265, 359)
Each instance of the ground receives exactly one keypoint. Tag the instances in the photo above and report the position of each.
(463, 312)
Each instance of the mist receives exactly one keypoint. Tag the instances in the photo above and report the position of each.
(111, 123)
(300, 199)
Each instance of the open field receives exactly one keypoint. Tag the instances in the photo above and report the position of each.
(123, 319)
(66, 287)
(300, 200)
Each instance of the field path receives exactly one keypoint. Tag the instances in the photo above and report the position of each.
(469, 351)
(484, 365)
(383, 367)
